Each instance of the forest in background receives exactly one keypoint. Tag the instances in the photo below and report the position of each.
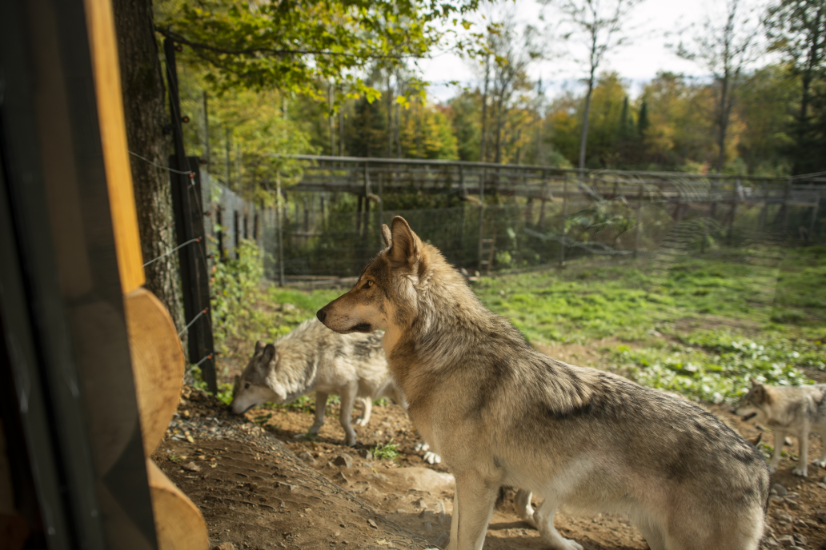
(674, 124)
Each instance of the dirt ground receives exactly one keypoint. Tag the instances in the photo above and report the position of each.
(261, 487)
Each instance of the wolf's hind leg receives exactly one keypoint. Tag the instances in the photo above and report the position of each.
(544, 517)
(522, 503)
(348, 397)
(366, 409)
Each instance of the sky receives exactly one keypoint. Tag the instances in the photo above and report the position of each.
(656, 23)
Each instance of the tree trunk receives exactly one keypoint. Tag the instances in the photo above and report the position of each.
(583, 140)
(143, 105)
(485, 111)
(499, 117)
(389, 117)
(330, 118)
(722, 122)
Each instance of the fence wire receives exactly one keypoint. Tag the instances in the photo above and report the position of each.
(334, 234)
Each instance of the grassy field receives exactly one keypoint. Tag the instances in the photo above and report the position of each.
(701, 327)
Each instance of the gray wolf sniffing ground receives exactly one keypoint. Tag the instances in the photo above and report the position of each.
(795, 411)
(500, 413)
(314, 358)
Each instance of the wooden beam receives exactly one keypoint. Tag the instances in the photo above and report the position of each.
(103, 45)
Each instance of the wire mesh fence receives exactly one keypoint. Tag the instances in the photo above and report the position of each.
(512, 218)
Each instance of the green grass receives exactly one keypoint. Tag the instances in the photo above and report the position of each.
(390, 451)
(585, 302)
(700, 326)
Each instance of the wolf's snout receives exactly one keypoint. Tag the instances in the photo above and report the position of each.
(321, 315)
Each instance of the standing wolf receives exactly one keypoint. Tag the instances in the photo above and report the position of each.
(796, 411)
(314, 358)
(500, 413)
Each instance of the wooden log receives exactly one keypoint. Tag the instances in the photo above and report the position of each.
(178, 522)
(157, 364)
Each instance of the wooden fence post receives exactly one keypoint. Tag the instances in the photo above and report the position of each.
(563, 230)
(365, 229)
(481, 212)
(733, 210)
(639, 222)
(189, 225)
(761, 219)
(381, 208)
(280, 229)
(712, 212)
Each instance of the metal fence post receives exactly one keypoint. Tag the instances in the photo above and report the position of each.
(189, 225)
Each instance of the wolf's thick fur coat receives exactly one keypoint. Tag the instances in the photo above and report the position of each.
(501, 413)
(795, 411)
(314, 358)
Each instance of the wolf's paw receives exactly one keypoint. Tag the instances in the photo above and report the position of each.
(432, 458)
(568, 544)
(529, 519)
(821, 463)
(801, 471)
(309, 436)
(772, 468)
(421, 446)
(361, 421)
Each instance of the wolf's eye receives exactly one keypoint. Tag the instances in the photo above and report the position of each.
(247, 386)
(367, 285)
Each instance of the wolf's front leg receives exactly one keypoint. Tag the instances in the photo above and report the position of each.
(320, 406)
(544, 517)
(803, 459)
(779, 439)
(348, 398)
(822, 460)
(475, 500)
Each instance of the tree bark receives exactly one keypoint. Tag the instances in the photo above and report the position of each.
(143, 105)
(723, 121)
(482, 152)
(584, 138)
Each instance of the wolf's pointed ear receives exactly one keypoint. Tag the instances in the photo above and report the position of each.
(406, 246)
(259, 345)
(269, 354)
(386, 236)
(754, 382)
